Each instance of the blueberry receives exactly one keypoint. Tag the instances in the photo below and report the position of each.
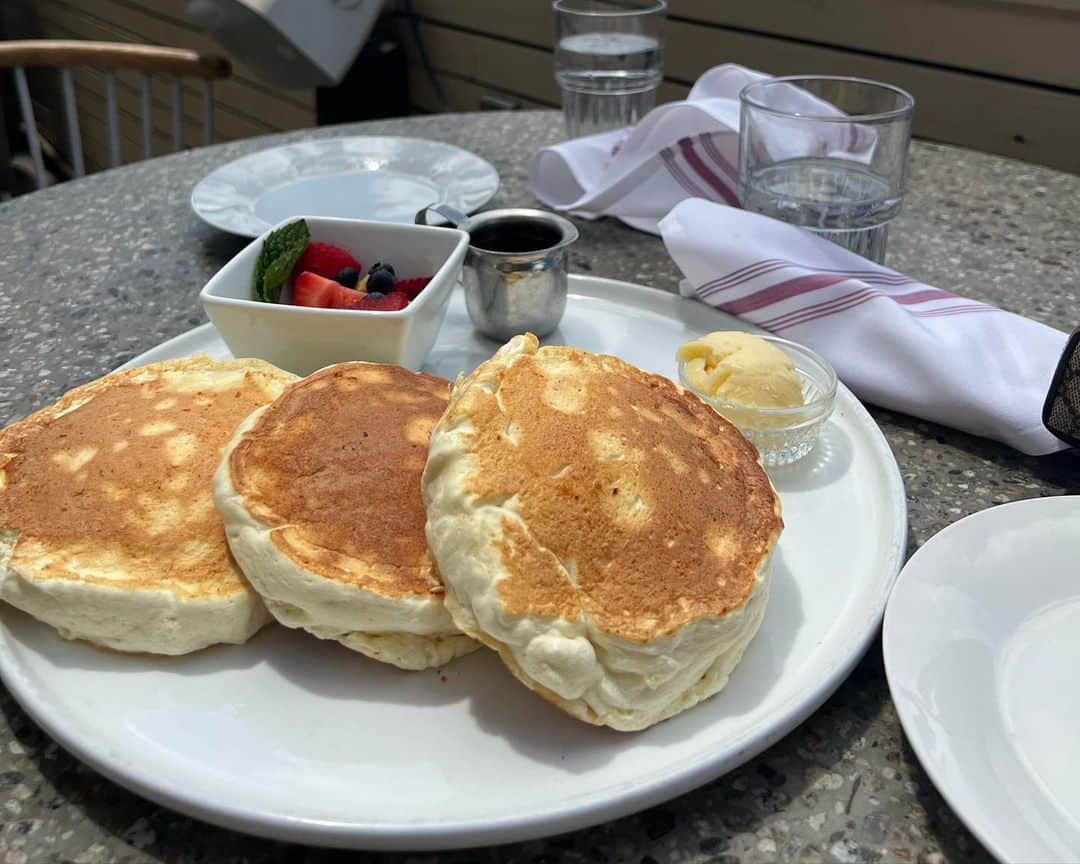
(375, 295)
(348, 276)
(378, 265)
(380, 282)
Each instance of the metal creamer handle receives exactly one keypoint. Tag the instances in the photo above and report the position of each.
(454, 217)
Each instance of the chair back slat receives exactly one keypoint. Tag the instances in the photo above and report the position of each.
(177, 115)
(71, 117)
(26, 108)
(208, 112)
(148, 60)
(155, 59)
(147, 118)
(112, 114)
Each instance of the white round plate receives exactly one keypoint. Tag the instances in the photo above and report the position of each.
(982, 648)
(303, 740)
(372, 177)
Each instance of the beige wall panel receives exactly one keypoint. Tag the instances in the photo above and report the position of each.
(243, 107)
(1033, 123)
(240, 94)
(1033, 41)
(483, 59)
(137, 20)
(463, 95)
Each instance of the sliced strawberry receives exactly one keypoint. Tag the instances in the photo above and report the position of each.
(311, 289)
(350, 298)
(387, 303)
(326, 260)
(412, 287)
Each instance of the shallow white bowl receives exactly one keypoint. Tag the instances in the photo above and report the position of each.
(782, 435)
(302, 340)
(982, 645)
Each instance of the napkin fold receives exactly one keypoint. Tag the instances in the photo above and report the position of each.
(679, 150)
(895, 342)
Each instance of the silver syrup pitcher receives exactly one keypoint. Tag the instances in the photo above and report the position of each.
(515, 272)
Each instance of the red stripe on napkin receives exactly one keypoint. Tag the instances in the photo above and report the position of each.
(770, 265)
(680, 176)
(956, 310)
(713, 152)
(705, 172)
(782, 291)
(857, 298)
(820, 310)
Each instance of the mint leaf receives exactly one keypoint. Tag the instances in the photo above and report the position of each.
(280, 251)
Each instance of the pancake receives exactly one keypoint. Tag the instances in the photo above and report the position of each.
(320, 496)
(107, 524)
(605, 531)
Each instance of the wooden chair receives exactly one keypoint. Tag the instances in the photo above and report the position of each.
(63, 54)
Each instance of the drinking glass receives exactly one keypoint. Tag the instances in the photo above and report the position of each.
(609, 60)
(828, 154)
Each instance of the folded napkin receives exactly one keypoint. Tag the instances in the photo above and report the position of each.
(894, 341)
(680, 150)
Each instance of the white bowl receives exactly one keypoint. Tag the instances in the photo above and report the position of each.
(302, 339)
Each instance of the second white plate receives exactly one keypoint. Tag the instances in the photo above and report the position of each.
(982, 648)
(299, 739)
(364, 177)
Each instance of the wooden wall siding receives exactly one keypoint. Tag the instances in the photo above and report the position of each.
(244, 106)
(1023, 39)
(995, 75)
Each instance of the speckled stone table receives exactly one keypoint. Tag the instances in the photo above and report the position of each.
(96, 271)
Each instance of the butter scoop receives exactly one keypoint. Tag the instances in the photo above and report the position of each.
(741, 369)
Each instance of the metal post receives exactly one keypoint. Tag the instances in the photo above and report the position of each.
(71, 114)
(113, 115)
(208, 111)
(177, 116)
(147, 119)
(27, 109)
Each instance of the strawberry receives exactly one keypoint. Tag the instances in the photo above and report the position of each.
(412, 287)
(311, 289)
(326, 260)
(349, 298)
(391, 302)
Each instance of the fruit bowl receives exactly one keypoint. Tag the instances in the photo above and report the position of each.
(301, 339)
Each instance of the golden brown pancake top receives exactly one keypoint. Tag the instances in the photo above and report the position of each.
(639, 505)
(334, 467)
(112, 484)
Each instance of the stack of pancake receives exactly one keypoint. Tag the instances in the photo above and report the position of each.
(607, 533)
(320, 495)
(107, 520)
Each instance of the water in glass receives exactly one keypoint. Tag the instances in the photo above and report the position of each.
(840, 199)
(608, 79)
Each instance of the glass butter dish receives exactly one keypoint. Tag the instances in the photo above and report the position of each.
(782, 435)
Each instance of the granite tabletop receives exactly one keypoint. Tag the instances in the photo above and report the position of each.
(98, 270)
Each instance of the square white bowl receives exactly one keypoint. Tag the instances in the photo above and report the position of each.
(301, 339)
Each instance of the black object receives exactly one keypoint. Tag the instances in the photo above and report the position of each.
(1061, 411)
(515, 235)
(380, 281)
(375, 86)
(348, 276)
(425, 60)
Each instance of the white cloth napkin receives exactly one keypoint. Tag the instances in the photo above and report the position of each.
(680, 150)
(895, 342)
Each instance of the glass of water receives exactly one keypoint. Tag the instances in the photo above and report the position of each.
(828, 154)
(609, 59)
